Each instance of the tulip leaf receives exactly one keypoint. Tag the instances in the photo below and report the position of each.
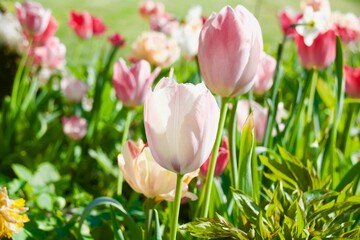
(157, 225)
(134, 228)
(247, 163)
(325, 93)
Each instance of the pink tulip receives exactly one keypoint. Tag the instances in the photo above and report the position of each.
(264, 77)
(116, 40)
(86, 25)
(145, 176)
(180, 124)
(51, 54)
(74, 127)
(221, 162)
(33, 17)
(352, 81)
(288, 17)
(229, 51)
(347, 26)
(320, 54)
(132, 85)
(73, 90)
(156, 48)
(40, 39)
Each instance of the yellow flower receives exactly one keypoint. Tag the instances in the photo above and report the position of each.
(12, 214)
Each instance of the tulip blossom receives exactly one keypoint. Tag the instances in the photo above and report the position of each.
(229, 51)
(117, 40)
(187, 34)
(352, 81)
(33, 17)
(73, 90)
(12, 214)
(133, 84)
(164, 23)
(156, 48)
(260, 117)
(86, 25)
(180, 124)
(150, 8)
(320, 54)
(264, 77)
(287, 18)
(40, 39)
(317, 5)
(147, 177)
(74, 127)
(221, 162)
(51, 54)
(347, 26)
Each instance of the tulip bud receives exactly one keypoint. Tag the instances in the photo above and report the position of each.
(133, 84)
(117, 40)
(74, 127)
(352, 81)
(229, 51)
(221, 162)
(264, 77)
(180, 124)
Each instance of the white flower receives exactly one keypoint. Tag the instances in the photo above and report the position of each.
(311, 25)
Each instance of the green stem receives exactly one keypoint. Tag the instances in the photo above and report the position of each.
(273, 107)
(352, 113)
(176, 207)
(129, 115)
(232, 145)
(311, 97)
(211, 170)
(149, 210)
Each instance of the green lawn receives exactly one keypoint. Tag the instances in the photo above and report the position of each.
(122, 15)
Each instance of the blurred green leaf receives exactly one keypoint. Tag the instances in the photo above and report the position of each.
(22, 172)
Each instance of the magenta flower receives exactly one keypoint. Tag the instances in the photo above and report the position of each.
(51, 54)
(116, 40)
(229, 51)
(86, 25)
(320, 54)
(221, 162)
(180, 123)
(352, 81)
(133, 84)
(74, 127)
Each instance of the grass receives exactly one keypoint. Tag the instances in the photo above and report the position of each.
(122, 16)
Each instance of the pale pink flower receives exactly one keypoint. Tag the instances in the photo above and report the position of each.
(347, 26)
(33, 17)
(180, 124)
(156, 48)
(74, 127)
(51, 54)
(146, 176)
(288, 17)
(133, 84)
(229, 51)
(150, 8)
(40, 39)
(264, 77)
(73, 90)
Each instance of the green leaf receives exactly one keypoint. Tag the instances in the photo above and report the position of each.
(134, 228)
(21, 172)
(45, 201)
(45, 173)
(247, 165)
(351, 175)
(104, 161)
(325, 93)
(157, 225)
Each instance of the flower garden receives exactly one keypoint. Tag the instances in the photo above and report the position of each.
(194, 129)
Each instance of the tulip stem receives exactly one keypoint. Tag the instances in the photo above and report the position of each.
(232, 145)
(129, 116)
(176, 207)
(149, 210)
(210, 173)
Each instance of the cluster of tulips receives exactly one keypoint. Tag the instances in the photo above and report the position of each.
(184, 122)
